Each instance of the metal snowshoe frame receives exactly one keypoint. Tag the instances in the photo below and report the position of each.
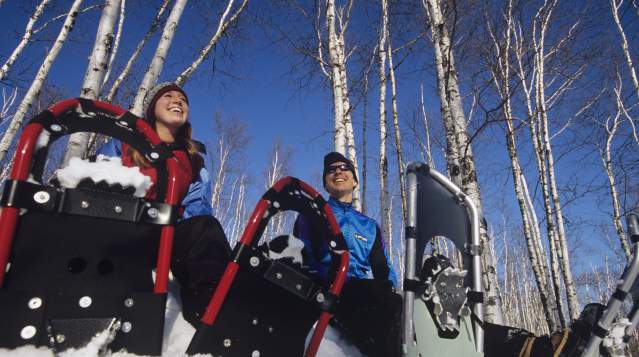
(624, 288)
(24, 189)
(437, 207)
(284, 195)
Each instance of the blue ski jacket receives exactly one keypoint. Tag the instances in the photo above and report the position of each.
(196, 202)
(363, 237)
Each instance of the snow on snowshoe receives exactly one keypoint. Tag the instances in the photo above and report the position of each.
(75, 264)
(443, 308)
(264, 306)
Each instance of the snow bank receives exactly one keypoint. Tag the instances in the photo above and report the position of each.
(107, 169)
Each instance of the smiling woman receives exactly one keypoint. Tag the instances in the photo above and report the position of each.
(200, 248)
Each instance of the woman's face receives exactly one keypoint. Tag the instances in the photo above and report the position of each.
(171, 112)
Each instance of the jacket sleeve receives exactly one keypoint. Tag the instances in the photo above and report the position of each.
(197, 201)
(112, 148)
(382, 269)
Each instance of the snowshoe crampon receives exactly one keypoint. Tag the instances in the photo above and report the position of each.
(75, 266)
(266, 307)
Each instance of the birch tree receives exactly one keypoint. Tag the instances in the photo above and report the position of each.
(611, 126)
(36, 85)
(116, 43)
(94, 75)
(159, 57)
(222, 27)
(501, 72)
(24, 40)
(615, 5)
(136, 53)
(384, 202)
(337, 21)
(459, 152)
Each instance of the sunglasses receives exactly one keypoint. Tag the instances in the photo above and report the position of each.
(341, 167)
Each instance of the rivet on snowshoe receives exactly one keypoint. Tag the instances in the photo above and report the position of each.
(41, 197)
(28, 332)
(123, 123)
(85, 302)
(255, 353)
(276, 204)
(254, 261)
(153, 212)
(154, 155)
(270, 329)
(254, 322)
(60, 338)
(84, 204)
(35, 303)
(279, 275)
(320, 298)
(298, 286)
(127, 327)
(128, 302)
(227, 342)
(117, 209)
(332, 244)
(55, 127)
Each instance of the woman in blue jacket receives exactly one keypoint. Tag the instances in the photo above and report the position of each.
(200, 248)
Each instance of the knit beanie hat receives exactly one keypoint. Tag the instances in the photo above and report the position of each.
(333, 157)
(152, 96)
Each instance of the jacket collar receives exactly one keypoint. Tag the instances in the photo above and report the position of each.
(339, 204)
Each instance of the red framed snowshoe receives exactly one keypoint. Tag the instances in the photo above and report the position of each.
(77, 264)
(266, 307)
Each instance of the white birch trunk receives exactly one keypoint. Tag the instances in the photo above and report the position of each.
(501, 80)
(614, 6)
(339, 134)
(429, 153)
(606, 156)
(458, 138)
(36, 85)
(92, 84)
(116, 43)
(221, 29)
(385, 205)
(157, 63)
(129, 64)
(398, 136)
(25, 39)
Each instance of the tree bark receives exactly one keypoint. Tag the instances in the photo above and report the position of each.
(221, 29)
(157, 63)
(129, 64)
(36, 85)
(24, 41)
(116, 43)
(614, 6)
(384, 198)
(457, 142)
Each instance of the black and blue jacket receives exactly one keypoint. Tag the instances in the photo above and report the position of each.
(363, 237)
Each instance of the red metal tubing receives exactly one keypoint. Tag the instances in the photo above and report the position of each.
(19, 171)
(166, 238)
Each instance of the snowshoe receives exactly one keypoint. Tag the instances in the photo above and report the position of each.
(265, 306)
(443, 309)
(74, 262)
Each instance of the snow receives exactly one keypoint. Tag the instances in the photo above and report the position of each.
(107, 169)
(293, 250)
(334, 345)
(614, 342)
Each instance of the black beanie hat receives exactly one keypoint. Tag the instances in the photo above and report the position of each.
(333, 157)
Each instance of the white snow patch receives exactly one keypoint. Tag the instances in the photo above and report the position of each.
(334, 344)
(293, 250)
(614, 342)
(108, 169)
(43, 140)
